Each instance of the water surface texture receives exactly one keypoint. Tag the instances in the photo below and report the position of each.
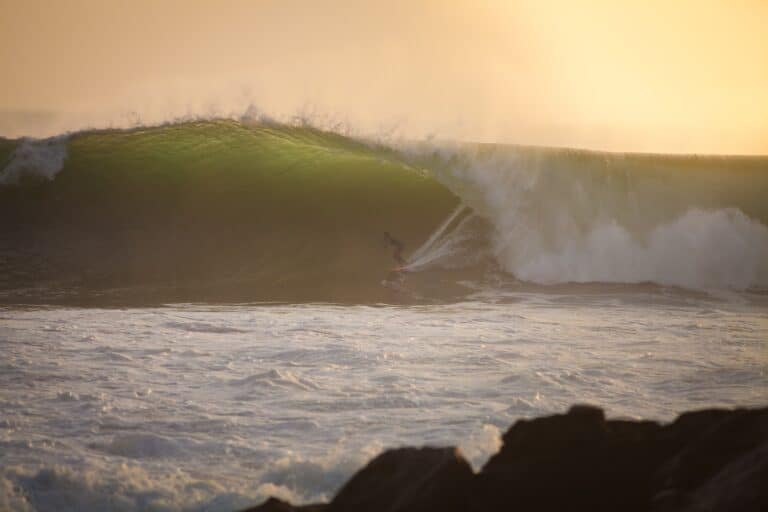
(213, 407)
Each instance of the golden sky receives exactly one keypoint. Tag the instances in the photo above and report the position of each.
(660, 76)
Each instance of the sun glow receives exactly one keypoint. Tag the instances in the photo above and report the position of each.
(642, 76)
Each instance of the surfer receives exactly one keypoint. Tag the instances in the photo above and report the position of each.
(397, 249)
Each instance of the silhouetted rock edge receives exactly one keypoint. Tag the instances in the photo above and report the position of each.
(707, 460)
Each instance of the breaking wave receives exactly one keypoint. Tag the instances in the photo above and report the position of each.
(265, 211)
(566, 216)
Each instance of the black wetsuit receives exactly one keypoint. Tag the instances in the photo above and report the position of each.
(397, 247)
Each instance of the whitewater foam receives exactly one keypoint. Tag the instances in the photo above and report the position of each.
(35, 158)
(567, 216)
(330, 387)
(699, 250)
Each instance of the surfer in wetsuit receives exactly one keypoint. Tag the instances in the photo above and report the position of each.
(397, 248)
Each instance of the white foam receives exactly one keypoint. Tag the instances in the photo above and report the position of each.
(552, 224)
(124, 487)
(443, 375)
(36, 158)
(276, 378)
(481, 445)
(134, 486)
(700, 249)
(310, 478)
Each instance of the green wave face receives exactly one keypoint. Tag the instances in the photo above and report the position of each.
(251, 212)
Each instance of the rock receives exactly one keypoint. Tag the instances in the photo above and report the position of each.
(276, 505)
(573, 461)
(408, 480)
(708, 440)
(739, 487)
(705, 461)
(722, 464)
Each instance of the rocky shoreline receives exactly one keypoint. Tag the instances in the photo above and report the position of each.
(708, 460)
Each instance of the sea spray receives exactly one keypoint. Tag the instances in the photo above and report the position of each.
(34, 159)
(562, 216)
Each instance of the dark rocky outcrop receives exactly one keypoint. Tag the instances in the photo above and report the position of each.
(571, 461)
(721, 463)
(711, 460)
(276, 505)
(408, 479)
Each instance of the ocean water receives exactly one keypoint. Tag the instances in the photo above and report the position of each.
(190, 407)
(199, 315)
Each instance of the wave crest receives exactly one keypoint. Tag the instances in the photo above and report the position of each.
(262, 211)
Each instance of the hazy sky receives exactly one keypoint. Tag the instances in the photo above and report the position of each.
(664, 76)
